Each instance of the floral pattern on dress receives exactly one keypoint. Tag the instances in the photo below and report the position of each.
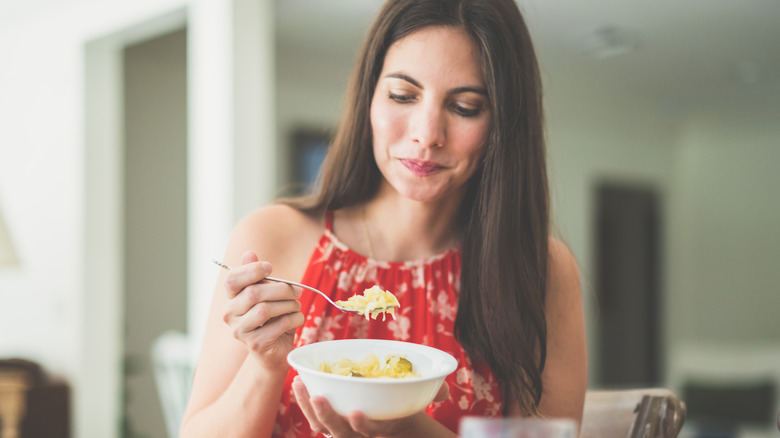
(427, 291)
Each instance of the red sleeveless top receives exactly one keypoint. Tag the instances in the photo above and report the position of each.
(427, 291)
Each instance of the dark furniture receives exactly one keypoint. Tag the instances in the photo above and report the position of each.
(32, 403)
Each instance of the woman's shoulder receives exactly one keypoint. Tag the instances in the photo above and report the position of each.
(281, 223)
(563, 272)
(278, 233)
(559, 251)
(283, 218)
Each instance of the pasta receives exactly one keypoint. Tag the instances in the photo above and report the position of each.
(395, 366)
(373, 302)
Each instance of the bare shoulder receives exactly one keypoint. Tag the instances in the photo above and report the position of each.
(283, 218)
(562, 270)
(564, 292)
(279, 234)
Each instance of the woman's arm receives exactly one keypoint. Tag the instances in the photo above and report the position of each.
(565, 375)
(240, 375)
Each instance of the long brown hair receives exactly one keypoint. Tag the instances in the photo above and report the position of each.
(505, 214)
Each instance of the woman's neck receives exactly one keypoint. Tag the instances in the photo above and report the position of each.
(399, 229)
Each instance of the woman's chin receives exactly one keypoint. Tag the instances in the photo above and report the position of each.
(421, 189)
(422, 194)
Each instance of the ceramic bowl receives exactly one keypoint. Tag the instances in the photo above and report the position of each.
(379, 398)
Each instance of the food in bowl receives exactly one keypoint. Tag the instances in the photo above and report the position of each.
(378, 398)
(394, 366)
(374, 301)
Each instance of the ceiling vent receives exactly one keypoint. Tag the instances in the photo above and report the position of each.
(606, 42)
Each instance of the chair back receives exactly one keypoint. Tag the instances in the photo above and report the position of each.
(173, 358)
(632, 413)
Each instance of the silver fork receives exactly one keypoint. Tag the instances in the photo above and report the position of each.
(293, 283)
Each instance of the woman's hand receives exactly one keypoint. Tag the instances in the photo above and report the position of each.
(323, 419)
(262, 315)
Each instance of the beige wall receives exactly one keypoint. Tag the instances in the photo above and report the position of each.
(727, 224)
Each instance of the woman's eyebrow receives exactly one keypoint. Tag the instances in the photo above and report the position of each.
(404, 77)
(478, 90)
(407, 78)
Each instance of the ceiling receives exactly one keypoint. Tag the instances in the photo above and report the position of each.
(679, 55)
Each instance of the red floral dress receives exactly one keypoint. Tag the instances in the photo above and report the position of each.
(427, 291)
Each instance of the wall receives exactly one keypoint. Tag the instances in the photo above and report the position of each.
(722, 296)
(311, 91)
(728, 233)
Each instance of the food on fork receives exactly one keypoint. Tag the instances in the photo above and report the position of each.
(374, 301)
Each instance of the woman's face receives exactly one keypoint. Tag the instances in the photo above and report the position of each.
(430, 114)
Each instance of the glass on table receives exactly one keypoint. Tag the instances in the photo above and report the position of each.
(484, 427)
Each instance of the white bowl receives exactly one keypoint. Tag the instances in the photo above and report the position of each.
(379, 398)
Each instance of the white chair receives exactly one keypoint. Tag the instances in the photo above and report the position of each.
(173, 358)
(632, 413)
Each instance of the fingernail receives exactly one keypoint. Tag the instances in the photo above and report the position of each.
(267, 266)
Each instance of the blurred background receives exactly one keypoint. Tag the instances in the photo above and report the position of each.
(134, 134)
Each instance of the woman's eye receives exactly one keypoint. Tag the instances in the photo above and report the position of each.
(401, 98)
(465, 112)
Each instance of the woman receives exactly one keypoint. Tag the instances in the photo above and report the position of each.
(435, 189)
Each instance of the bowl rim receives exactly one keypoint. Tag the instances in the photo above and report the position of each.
(444, 372)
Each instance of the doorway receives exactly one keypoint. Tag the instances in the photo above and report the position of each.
(627, 284)
(154, 115)
(155, 215)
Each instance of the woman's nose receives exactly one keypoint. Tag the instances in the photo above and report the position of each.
(428, 126)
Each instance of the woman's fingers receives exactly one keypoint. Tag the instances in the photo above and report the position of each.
(334, 423)
(262, 292)
(265, 339)
(322, 418)
(302, 397)
(260, 315)
(253, 303)
(257, 304)
(443, 394)
(242, 276)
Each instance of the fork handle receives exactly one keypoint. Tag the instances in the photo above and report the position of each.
(293, 283)
(317, 291)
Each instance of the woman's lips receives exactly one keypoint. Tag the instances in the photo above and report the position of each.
(421, 167)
